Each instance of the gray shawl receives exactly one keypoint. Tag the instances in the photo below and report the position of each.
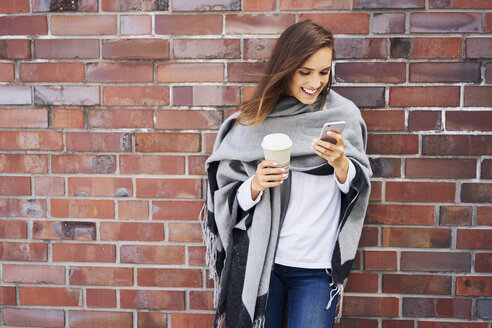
(241, 245)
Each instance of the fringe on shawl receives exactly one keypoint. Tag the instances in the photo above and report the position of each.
(211, 242)
(337, 290)
(259, 322)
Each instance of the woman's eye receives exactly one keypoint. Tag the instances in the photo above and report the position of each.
(324, 73)
(304, 73)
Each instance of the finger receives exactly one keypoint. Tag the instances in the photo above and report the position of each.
(268, 163)
(270, 171)
(325, 144)
(274, 184)
(277, 177)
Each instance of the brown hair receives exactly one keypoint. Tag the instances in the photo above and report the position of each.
(296, 44)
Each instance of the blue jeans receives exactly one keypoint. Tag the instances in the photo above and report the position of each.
(307, 292)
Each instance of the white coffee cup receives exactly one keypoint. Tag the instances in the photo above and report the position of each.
(276, 147)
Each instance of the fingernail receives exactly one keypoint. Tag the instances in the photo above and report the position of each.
(328, 132)
(282, 169)
(275, 163)
(314, 140)
(284, 175)
(281, 181)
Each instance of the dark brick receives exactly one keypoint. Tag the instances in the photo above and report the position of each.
(424, 120)
(469, 120)
(479, 48)
(483, 262)
(432, 22)
(474, 239)
(424, 96)
(435, 261)
(392, 144)
(393, 214)
(384, 120)
(488, 71)
(356, 323)
(371, 72)
(360, 48)
(400, 47)
(486, 169)
(405, 191)
(484, 215)
(386, 167)
(398, 324)
(437, 307)
(416, 237)
(363, 96)
(476, 192)
(445, 72)
(457, 145)
(484, 309)
(378, 4)
(478, 96)
(388, 23)
(455, 215)
(416, 284)
(440, 168)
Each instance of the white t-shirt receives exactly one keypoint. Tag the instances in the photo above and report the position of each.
(309, 230)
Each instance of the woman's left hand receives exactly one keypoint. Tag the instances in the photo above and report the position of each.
(334, 154)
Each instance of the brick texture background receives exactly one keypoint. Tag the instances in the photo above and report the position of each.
(109, 108)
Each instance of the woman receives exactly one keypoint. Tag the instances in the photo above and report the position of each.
(273, 240)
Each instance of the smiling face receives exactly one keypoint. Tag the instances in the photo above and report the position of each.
(309, 80)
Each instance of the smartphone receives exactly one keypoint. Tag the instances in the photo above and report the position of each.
(331, 126)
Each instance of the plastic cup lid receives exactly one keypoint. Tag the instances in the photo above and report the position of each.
(276, 141)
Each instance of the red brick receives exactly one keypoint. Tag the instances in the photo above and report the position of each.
(473, 286)
(196, 165)
(380, 260)
(190, 72)
(376, 191)
(445, 72)
(23, 118)
(51, 72)
(168, 188)
(437, 307)
(15, 49)
(398, 323)
(426, 47)
(30, 140)
(196, 255)
(478, 96)
(83, 95)
(34, 317)
(169, 277)
(384, 120)
(7, 72)
(420, 191)
(450, 22)
(386, 167)
(356, 323)
(33, 274)
(417, 284)
(201, 300)
(64, 252)
(18, 251)
(486, 171)
(371, 72)
(435, 261)
(15, 95)
(101, 298)
(176, 210)
(370, 306)
(185, 232)
(167, 142)
(135, 24)
(363, 96)
(360, 48)
(488, 22)
(460, 4)
(64, 230)
(23, 163)
(136, 95)
(120, 118)
(208, 142)
(256, 5)
(83, 164)
(209, 5)
(206, 48)
(258, 48)
(153, 299)
(15, 186)
(341, 23)
(388, 23)
(133, 210)
(135, 49)
(10, 207)
(103, 319)
(369, 237)
(484, 215)
(457, 145)
(80, 6)
(188, 119)
(424, 120)
(188, 24)
(82, 208)
(101, 276)
(66, 48)
(461, 324)
(148, 164)
(100, 187)
(192, 320)
(120, 72)
(54, 296)
(478, 48)
(392, 144)
(257, 23)
(205, 95)
(314, 5)
(7, 296)
(378, 4)
(13, 229)
(98, 141)
(440, 168)
(146, 254)
(476, 192)
(483, 262)
(474, 239)
(245, 71)
(14, 7)
(152, 319)
(416, 237)
(132, 231)
(83, 25)
(455, 215)
(424, 96)
(23, 25)
(69, 118)
(122, 5)
(400, 214)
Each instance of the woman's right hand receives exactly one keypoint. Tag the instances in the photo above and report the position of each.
(267, 175)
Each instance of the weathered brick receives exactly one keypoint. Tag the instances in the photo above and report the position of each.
(135, 24)
(341, 23)
(23, 25)
(98, 141)
(384, 120)
(206, 5)
(54, 296)
(196, 165)
(23, 163)
(398, 323)
(167, 142)
(101, 298)
(68, 118)
(152, 299)
(400, 214)
(314, 5)
(356, 323)
(82, 208)
(64, 6)
(257, 23)
(33, 274)
(483, 262)
(120, 118)
(392, 144)
(169, 277)
(49, 186)
(134, 231)
(258, 48)
(473, 286)
(83, 25)
(14, 7)
(188, 119)
(476, 192)
(33, 317)
(416, 237)
(83, 95)
(483, 309)
(360, 48)
(420, 191)
(15, 49)
(488, 23)
(176, 210)
(379, 4)
(474, 239)
(101, 276)
(445, 72)
(388, 23)
(152, 319)
(370, 306)
(188, 24)
(447, 324)
(146, 254)
(437, 307)
(7, 296)
(424, 120)
(124, 5)
(15, 95)
(476, 96)
(100, 187)
(371, 72)
(83, 164)
(245, 72)
(440, 168)
(10, 207)
(7, 72)
(31, 140)
(455, 215)
(102, 319)
(255, 5)
(435, 96)
(456, 145)
(64, 252)
(15, 185)
(120, 72)
(19, 251)
(206, 48)
(168, 188)
(478, 48)
(63, 230)
(192, 320)
(148, 164)
(205, 95)
(435, 261)
(136, 95)
(445, 22)
(190, 72)
(185, 232)
(132, 49)
(380, 260)
(484, 215)
(416, 284)
(426, 47)
(363, 96)
(460, 4)
(51, 72)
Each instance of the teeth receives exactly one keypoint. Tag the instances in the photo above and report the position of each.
(310, 91)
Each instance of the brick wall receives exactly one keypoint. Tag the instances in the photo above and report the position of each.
(108, 111)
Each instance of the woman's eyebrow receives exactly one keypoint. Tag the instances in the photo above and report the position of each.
(312, 69)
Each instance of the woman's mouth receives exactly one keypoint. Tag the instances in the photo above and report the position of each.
(310, 92)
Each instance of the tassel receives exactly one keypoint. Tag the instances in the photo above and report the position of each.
(259, 322)
(338, 290)
(211, 252)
